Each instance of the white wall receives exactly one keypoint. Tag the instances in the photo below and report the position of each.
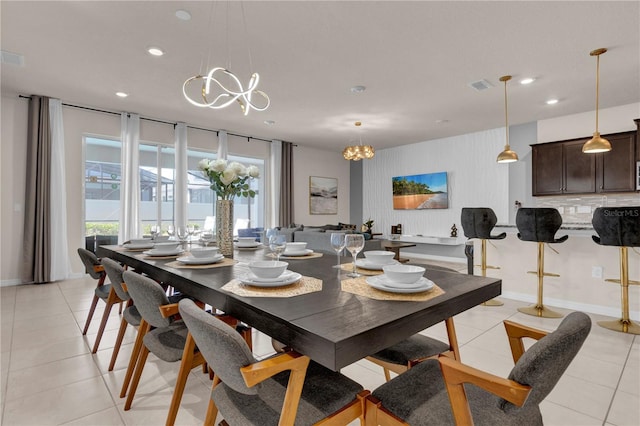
(474, 180)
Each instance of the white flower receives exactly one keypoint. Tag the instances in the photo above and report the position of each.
(219, 165)
(228, 176)
(238, 168)
(253, 171)
(203, 164)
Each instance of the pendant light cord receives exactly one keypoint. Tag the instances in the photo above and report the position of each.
(506, 112)
(597, 88)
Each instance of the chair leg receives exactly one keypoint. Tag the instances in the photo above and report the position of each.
(212, 409)
(116, 347)
(142, 360)
(186, 365)
(111, 300)
(387, 375)
(142, 330)
(120, 309)
(94, 303)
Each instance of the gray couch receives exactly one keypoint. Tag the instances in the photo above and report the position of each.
(319, 239)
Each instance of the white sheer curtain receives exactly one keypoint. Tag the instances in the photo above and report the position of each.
(275, 174)
(60, 262)
(181, 176)
(223, 145)
(130, 179)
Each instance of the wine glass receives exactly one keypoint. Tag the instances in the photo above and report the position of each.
(354, 243)
(156, 230)
(277, 244)
(337, 243)
(191, 229)
(182, 232)
(171, 230)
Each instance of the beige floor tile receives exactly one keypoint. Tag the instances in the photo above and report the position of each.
(103, 357)
(6, 336)
(43, 336)
(500, 365)
(464, 333)
(262, 346)
(110, 416)
(629, 382)
(64, 319)
(594, 370)
(28, 381)
(112, 323)
(557, 415)
(47, 352)
(31, 312)
(60, 405)
(109, 338)
(625, 410)
(369, 375)
(582, 396)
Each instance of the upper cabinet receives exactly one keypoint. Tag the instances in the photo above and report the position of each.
(562, 167)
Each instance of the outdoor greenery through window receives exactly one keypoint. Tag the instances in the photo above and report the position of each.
(157, 186)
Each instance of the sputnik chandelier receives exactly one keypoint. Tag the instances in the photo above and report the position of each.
(220, 87)
(358, 152)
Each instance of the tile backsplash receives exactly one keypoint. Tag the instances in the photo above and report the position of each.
(579, 208)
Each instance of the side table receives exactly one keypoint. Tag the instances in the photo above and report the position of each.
(395, 246)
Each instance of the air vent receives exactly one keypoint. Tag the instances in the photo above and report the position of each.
(11, 58)
(481, 85)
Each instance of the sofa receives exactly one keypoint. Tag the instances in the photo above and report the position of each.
(318, 238)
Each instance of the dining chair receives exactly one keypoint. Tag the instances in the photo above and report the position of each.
(103, 292)
(285, 389)
(130, 315)
(445, 392)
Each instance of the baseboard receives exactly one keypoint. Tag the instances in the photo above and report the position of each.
(567, 304)
(17, 281)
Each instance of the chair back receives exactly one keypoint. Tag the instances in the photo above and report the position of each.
(478, 222)
(538, 224)
(114, 272)
(89, 259)
(542, 365)
(220, 345)
(617, 226)
(148, 296)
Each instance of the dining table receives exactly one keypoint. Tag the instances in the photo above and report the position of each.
(333, 327)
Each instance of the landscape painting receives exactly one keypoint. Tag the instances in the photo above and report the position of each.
(418, 192)
(323, 195)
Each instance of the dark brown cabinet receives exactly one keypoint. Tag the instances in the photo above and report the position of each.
(562, 168)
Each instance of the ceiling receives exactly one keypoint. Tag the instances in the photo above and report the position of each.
(415, 58)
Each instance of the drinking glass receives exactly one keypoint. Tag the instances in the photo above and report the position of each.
(156, 230)
(277, 244)
(182, 232)
(171, 230)
(191, 229)
(354, 243)
(338, 242)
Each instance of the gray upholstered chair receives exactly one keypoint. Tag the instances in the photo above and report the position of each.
(130, 315)
(540, 225)
(478, 222)
(619, 227)
(438, 392)
(281, 390)
(103, 292)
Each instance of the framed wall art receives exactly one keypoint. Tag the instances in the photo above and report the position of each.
(419, 192)
(323, 195)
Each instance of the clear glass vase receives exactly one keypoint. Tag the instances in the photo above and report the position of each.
(224, 227)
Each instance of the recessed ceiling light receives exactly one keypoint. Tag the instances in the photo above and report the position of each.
(155, 51)
(527, 80)
(442, 121)
(122, 94)
(183, 15)
(552, 101)
(358, 89)
(269, 122)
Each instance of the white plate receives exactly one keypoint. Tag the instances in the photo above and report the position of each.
(190, 260)
(247, 245)
(285, 279)
(138, 246)
(381, 282)
(161, 253)
(297, 253)
(367, 264)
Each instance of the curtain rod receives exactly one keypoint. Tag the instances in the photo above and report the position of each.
(160, 121)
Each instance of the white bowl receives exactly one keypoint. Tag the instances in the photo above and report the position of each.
(268, 268)
(379, 257)
(140, 241)
(246, 240)
(403, 274)
(166, 246)
(296, 247)
(204, 252)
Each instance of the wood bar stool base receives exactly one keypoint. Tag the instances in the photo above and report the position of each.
(540, 311)
(621, 326)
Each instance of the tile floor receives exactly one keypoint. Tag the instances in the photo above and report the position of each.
(49, 376)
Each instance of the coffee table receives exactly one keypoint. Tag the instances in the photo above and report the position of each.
(395, 247)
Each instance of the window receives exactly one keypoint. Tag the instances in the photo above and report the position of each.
(157, 177)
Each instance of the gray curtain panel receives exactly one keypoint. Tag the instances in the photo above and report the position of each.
(286, 191)
(37, 226)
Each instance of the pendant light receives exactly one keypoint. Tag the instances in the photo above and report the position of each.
(358, 152)
(597, 143)
(506, 156)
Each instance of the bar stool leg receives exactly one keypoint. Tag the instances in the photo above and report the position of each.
(624, 324)
(483, 266)
(539, 310)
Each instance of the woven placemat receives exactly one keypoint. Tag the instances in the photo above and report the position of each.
(224, 262)
(303, 286)
(360, 287)
(369, 272)
(306, 256)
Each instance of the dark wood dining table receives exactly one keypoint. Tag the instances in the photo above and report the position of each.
(333, 327)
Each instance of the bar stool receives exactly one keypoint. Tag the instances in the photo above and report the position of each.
(619, 226)
(478, 222)
(540, 225)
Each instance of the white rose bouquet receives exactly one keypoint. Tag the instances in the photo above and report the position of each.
(229, 180)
